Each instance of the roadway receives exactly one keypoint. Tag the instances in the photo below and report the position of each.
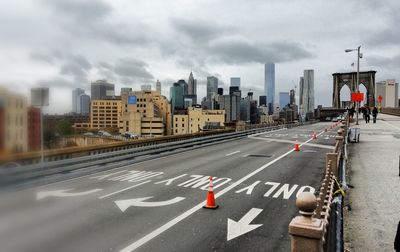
(156, 205)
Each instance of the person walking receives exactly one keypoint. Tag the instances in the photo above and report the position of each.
(397, 239)
(365, 112)
(374, 114)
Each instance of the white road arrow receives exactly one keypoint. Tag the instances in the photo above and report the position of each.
(63, 193)
(125, 204)
(243, 226)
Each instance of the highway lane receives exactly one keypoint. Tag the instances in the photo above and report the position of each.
(75, 221)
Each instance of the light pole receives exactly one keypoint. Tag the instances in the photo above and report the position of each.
(359, 56)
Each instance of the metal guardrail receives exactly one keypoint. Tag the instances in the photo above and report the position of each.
(9, 176)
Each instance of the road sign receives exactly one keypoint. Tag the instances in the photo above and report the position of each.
(132, 99)
(357, 97)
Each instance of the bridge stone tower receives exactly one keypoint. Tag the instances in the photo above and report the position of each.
(349, 79)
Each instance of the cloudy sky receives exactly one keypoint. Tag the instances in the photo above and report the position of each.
(64, 44)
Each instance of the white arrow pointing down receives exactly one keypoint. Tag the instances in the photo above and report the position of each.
(125, 204)
(243, 226)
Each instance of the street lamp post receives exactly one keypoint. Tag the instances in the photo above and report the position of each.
(359, 55)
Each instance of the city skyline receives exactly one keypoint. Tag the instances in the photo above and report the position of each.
(75, 43)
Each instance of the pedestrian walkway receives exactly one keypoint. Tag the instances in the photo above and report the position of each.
(375, 199)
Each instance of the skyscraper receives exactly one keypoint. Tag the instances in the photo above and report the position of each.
(145, 87)
(177, 97)
(269, 86)
(292, 97)
(84, 104)
(75, 96)
(235, 82)
(301, 96)
(192, 85)
(101, 90)
(212, 87)
(308, 92)
(158, 86)
(263, 100)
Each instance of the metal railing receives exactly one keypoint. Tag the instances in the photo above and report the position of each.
(320, 226)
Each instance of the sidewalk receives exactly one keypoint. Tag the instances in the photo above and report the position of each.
(375, 199)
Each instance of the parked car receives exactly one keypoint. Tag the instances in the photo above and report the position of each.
(104, 133)
(130, 135)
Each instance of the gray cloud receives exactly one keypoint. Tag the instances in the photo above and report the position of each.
(199, 31)
(76, 66)
(384, 62)
(57, 82)
(241, 52)
(133, 69)
(82, 10)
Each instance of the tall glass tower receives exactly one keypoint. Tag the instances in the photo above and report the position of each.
(269, 86)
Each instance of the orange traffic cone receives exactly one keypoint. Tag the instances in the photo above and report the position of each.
(315, 135)
(210, 197)
(296, 146)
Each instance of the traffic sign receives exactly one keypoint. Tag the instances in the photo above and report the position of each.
(357, 97)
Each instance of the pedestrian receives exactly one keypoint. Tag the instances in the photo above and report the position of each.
(368, 113)
(364, 112)
(374, 113)
(397, 239)
(361, 110)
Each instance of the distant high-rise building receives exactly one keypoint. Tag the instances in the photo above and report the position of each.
(212, 87)
(126, 89)
(84, 104)
(101, 90)
(220, 91)
(235, 82)
(263, 100)
(177, 97)
(292, 97)
(269, 86)
(145, 87)
(284, 99)
(184, 85)
(192, 85)
(307, 92)
(158, 86)
(233, 89)
(389, 90)
(75, 95)
(231, 105)
(301, 95)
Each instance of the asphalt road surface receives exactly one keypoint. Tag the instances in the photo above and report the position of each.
(157, 205)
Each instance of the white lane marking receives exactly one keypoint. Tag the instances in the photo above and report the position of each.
(293, 142)
(238, 228)
(122, 190)
(267, 132)
(199, 206)
(232, 153)
(63, 193)
(391, 125)
(139, 202)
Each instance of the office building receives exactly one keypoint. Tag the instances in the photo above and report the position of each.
(177, 96)
(145, 113)
(389, 90)
(292, 97)
(192, 85)
(212, 87)
(235, 82)
(105, 114)
(101, 90)
(158, 86)
(307, 92)
(220, 91)
(269, 86)
(75, 99)
(84, 104)
(14, 122)
(231, 104)
(263, 100)
(301, 96)
(34, 131)
(194, 120)
(284, 99)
